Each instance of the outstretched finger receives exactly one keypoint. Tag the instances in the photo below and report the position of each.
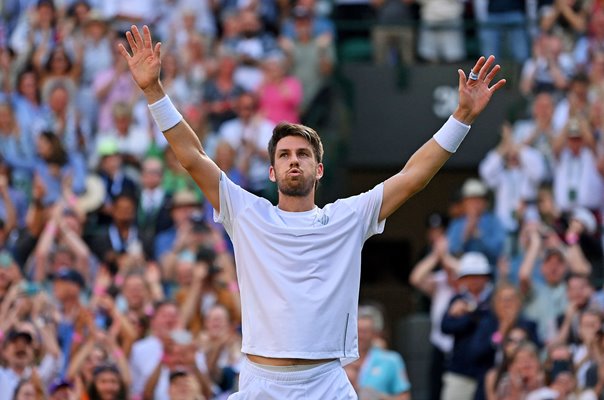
(486, 67)
(497, 86)
(478, 65)
(157, 50)
(146, 37)
(137, 37)
(492, 74)
(462, 78)
(124, 52)
(131, 42)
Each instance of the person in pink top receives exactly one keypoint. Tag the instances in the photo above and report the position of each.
(280, 94)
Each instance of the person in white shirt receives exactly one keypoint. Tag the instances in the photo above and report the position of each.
(18, 352)
(299, 265)
(154, 357)
(249, 135)
(514, 172)
(577, 181)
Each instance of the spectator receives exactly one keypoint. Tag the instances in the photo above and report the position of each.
(577, 181)
(107, 384)
(112, 86)
(111, 171)
(29, 389)
(505, 23)
(319, 25)
(221, 344)
(252, 46)
(183, 386)
(312, 59)
(518, 369)
(203, 284)
(478, 229)
(153, 214)
(171, 242)
(279, 94)
(16, 148)
(18, 350)
(579, 292)
(381, 373)
(63, 233)
(393, 36)
(565, 18)
(250, 133)
(133, 141)
(461, 320)
(441, 31)
(494, 328)
(440, 286)
(514, 172)
(221, 91)
(589, 46)
(120, 242)
(549, 69)
(574, 104)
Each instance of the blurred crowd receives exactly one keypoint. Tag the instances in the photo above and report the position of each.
(115, 282)
(515, 266)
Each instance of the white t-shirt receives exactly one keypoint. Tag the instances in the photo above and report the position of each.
(146, 354)
(299, 272)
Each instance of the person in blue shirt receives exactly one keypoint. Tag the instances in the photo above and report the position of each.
(478, 229)
(378, 373)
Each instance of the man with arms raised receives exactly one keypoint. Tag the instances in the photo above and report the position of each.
(298, 265)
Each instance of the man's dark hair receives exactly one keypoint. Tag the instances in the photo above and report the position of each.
(284, 129)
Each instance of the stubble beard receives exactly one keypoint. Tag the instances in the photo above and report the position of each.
(299, 187)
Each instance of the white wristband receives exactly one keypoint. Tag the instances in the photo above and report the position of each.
(451, 134)
(164, 113)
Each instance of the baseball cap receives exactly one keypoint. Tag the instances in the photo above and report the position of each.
(70, 275)
(473, 188)
(58, 384)
(15, 334)
(473, 263)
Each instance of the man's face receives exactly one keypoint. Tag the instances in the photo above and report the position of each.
(295, 169)
(65, 290)
(19, 353)
(474, 284)
(134, 291)
(553, 269)
(124, 211)
(165, 320)
(578, 291)
(152, 174)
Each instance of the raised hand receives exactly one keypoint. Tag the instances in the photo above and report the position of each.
(144, 63)
(474, 91)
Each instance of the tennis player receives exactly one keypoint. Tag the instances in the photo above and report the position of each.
(298, 265)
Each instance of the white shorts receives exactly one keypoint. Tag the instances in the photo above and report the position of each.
(325, 381)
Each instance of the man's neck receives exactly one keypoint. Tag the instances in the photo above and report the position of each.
(295, 203)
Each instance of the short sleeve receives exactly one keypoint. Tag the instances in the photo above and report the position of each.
(367, 206)
(401, 380)
(233, 199)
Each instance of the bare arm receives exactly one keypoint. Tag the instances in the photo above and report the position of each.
(144, 64)
(529, 260)
(474, 95)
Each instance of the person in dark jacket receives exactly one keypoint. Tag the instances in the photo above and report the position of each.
(461, 320)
